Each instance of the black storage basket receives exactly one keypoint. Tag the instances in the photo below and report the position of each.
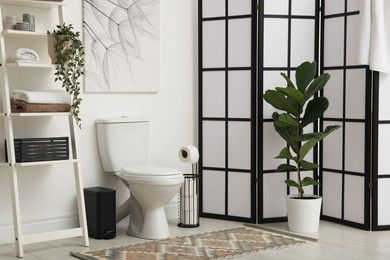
(40, 149)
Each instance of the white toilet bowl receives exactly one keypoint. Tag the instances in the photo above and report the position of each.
(151, 188)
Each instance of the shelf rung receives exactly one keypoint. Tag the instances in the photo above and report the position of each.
(35, 3)
(31, 65)
(54, 235)
(46, 162)
(16, 33)
(42, 114)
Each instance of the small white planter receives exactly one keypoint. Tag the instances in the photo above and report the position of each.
(303, 214)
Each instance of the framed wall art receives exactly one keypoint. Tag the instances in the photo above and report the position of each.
(122, 46)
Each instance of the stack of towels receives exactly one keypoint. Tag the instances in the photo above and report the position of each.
(40, 101)
(24, 55)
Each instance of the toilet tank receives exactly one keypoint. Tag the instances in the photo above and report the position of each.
(122, 142)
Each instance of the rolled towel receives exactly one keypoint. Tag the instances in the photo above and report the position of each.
(51, 96)
(24, 55)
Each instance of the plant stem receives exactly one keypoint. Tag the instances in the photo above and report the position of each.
(300, 132)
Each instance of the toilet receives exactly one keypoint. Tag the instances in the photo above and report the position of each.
(123, 148)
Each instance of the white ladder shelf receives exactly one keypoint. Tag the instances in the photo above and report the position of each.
(12, 165)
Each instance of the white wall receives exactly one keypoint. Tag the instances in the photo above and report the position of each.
(47, 192)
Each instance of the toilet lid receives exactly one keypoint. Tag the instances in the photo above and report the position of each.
(150, 171)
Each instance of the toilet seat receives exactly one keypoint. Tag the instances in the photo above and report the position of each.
(150, 172)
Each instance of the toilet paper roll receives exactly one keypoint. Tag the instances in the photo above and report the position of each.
(189, 154)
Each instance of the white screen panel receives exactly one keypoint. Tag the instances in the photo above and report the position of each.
(213, 192)
(271, 80)
(239, 94)
(383, 201)
(334, 7)
(239, 145)
(276, 7)
(354, 147)
(239, 45)
(239, 194)
(356, 93)
(353, 35)
(331, 194)
(213, 44)
(333, 91)
(384, 94)
(302, 41)
(334, 42)
(303, 7)
(354, 5)
(332, 148)
(354, 199)
(383, 149)
(240, 7)
(274, 196)
(272, 145)
(213, 8)
(214, 144)
(275, 44)
(213, 94)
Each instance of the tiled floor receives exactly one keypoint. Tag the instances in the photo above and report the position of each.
(336, 242)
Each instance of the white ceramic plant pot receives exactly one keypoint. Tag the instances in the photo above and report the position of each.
(303, 214)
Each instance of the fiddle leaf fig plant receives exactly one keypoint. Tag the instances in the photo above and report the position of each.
(300, 106)
(69, 55)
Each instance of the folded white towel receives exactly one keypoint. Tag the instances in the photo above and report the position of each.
(374, 48)
(24, 55)
(50, 96)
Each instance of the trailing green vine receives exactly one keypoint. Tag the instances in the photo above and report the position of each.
(69, 53)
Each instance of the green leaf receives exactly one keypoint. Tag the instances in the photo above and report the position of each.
(286, 168)
(309, 181)
(279, 101)
(304, 74)
(287, 133)
(308, 165)
(305, 149)
(292, 183)
(292, 93)
(317, 84)
(285, 154)
(314, 110)
(286, 120)
(290, 84)
(305, 137)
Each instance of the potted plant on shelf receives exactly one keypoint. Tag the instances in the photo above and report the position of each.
(68, 56)
(300, 105)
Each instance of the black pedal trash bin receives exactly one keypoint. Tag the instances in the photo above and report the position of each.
(101, 212)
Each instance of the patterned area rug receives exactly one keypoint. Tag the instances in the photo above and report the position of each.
(221, 244)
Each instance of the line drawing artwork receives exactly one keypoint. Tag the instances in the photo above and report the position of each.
(122, 45)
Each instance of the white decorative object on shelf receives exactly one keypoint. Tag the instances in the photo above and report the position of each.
(10, 22)
(22, 26)
(30, 19)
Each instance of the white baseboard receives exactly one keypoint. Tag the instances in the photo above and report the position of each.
(61, 221)
(38, 225)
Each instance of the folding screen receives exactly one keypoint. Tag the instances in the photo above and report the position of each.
(288, 34)
(227, 111)
(381, 148)
(232, 168)
(345, 155)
